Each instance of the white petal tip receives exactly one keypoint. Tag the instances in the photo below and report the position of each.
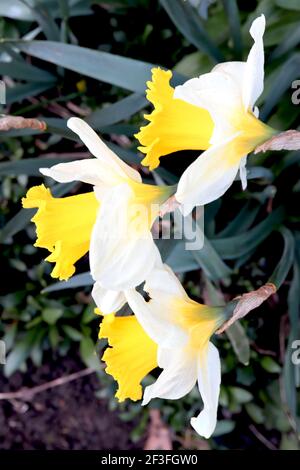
(201, 427)
(45, 171)
(73, 122)
(258, 27)
(145, 401)
(244, 185)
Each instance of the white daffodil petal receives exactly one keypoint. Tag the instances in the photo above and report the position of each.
(253, 83)
(243, 172)
(108, 301)
(177, 378)
(122, 250)
(209, 176)
(88, 171)
(155, 317)
(236, 71)
(111, 162)
(256, 112)
(219, 94)
(162, 278)
(209, 380)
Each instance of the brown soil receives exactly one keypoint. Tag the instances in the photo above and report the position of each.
(65, 417)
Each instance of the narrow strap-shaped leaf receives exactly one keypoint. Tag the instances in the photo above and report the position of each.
(116, 112)
(189, 24)
(181, 260)
(288, 4)
(236, 333)
(31, 166)
(286, 260)
(44, 18)
(207, 257)
(239, 341)
(281, 82)
(20, 92)
(25, 71)
(256, 172)
(79, 280)
(290, 41)
(241, 222)
(237, 246)
(232, 12)
(289, 369)
(211, 262)
(16, 10)
(116, 70)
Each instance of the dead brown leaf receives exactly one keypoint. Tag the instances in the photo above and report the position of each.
(18, 122)
(289, 140)
(247, 303)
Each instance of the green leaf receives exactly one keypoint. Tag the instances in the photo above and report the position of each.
(289, 42)
(88, 353)
(288, 4)
(290, 369)
(15, 9)
(224, 427)
(286, 261)
(236, 332)
(194, 64)
(10, 334)
(255, 413)
(240, 342)
(36, 352)
(239, 245)
(21, 92)
(126, 73)
(294, 300)
(19, 353)
(189, 24)
(18, 10)
(207, 257)
(232, 12)
(183, 260)
(116, 112)
(257, 172)
(289, 442)
(242, 222)
(88, 315)
(210, 261)
(51, 315)
(25, 71)
(240, 395)
(31, 166)
(79, 280)
(72, 333)
(281, 82)
(46, 21)
(54, 336)
(270, 365)
(17, 223)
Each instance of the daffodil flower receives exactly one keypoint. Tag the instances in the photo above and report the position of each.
(131, 354)
(179, 331)
(219, 117)
(113, 221)
(59, 229)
